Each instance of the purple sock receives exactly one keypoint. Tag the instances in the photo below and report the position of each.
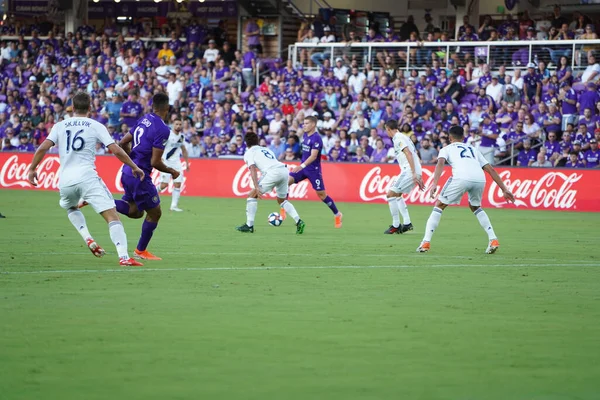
(147, 231)
(329, 201)
(122, 207)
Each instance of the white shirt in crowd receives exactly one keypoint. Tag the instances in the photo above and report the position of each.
(275, 126)
(466, 161)
(340, 73)
(401, 142)
(211, 55)
(357, 82)
(76, 140)
(589, 71)
(174, 89)
(495, 91)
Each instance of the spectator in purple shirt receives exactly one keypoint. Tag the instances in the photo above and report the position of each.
(379, 155)
(253, 34)
(574, 161)
(592, 156)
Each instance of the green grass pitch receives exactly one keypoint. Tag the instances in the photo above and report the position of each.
(332, 314)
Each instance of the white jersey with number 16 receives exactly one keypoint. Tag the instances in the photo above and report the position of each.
(263, 158)
(466, 161)
(76, 140)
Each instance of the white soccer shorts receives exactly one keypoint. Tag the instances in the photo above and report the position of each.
(93, 191)
(275, 178)
(403, 183)
(166, 178)
(454, 190)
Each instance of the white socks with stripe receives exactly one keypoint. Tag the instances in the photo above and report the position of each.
(394, 210)
(290, 210)
(78, 220)
(251, 208)
(119, 238)
(175, 197)
(432, 223)
(485, 223)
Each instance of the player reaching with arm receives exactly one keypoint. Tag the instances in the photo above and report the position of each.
(76, 140)
(311, 167)
(410, 175)
(274, 174)
(174, 149)
(468, 165)
(148, 140)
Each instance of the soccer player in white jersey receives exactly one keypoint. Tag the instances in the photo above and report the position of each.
(76, 140)
(468, 165)
(273, 175)
(410, 175)
(172, 158)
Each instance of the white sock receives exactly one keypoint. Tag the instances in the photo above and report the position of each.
(119, 238)
(175, 198)
(485, 223)
(432, 223)
(78, 220)
(394, 211)
(290, 210)
(251, 208)
(403, 210)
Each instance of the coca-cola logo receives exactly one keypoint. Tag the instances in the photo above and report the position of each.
(14, 173)
(552, 190)
(375, 186)
(242, 185)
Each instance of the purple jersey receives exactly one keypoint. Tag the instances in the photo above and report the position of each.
(310, 143)
(491, 128)
(131, 107)
(592, 157)
(151, 132)
(569, 108)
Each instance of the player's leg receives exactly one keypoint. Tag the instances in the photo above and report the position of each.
(475, 194)
(165, 178)
(69, 200)
(282, 192)
(318, 185)
(251, 209)
(176, 192)
(118, 237)
(392, 199)
(401, 185)
(127, 205)
(451, 193)
(146, 199)
(294, 177)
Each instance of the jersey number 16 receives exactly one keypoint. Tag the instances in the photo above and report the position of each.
(77, 143)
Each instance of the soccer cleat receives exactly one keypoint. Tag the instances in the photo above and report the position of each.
(145, 255)
(406, 228)
(130, 262)
(493, 246)
(424, 247)
(245, 228)
(282, 213)
(82, 204)
(176, 209)
(300, 227)
(95, 248)
(338, 220)
(393, 230)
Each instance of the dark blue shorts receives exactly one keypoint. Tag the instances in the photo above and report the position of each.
(142, 193)
(315, 178)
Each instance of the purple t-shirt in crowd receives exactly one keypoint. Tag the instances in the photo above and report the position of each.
(151, 132)
(132, 107)
(255, 39)
(489, 128)
(247, 59)
(525, 156)
(588, 99)
(592, 158)
(570, 108)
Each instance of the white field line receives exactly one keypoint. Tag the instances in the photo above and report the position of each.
(333, 267)
(335, 255)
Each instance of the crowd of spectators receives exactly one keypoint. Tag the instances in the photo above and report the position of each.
(543, 116)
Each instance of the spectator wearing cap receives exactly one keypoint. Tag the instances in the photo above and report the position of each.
(211, 54)
(592, 155)
(318, 58)
(340, 71)
(489, 132)
(563, 157)
(577, 147)
(511, 96)
(532, 84)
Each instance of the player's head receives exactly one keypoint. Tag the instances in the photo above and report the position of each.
(251, 139)
(310, 123)
(177, 125)
(391, 127)
(160, 104)
(82, 103)
(457, 134)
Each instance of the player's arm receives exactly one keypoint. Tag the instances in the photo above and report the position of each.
(185, 157)
(411, 162)
(158, 164)
(492, 172)
(125, 142)
(124, 158)
(37, 158)
(314, 154)
(439, 169)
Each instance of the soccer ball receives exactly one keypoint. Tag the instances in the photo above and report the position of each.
(275, 219)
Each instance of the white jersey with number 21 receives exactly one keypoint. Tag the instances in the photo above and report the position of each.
(76, 140)
(466, 161)
(261, 157)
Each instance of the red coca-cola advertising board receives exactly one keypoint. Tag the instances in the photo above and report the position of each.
(534, 188)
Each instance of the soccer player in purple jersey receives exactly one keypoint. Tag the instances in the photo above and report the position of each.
(311, 167)
(149, 138)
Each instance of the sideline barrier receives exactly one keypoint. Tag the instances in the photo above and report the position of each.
(534, 188)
